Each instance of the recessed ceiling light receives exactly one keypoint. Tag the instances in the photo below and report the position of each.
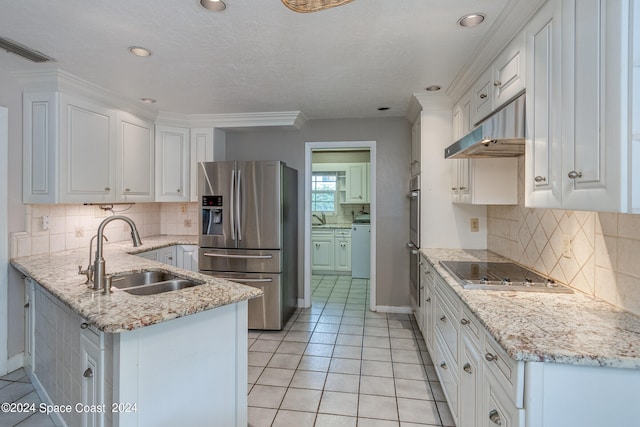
(148, 100)
(213, 5)
(383, 108)
(139, 51)
(433, 88)
(471, 20)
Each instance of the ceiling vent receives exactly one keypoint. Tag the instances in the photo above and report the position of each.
(25, 52)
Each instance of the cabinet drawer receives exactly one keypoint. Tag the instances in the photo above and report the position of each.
(471, 326)
(322, 233)
(446, 375)
(342, 233)
(447, 325)
(509, 373)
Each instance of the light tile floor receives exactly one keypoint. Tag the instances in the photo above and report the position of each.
(339, 364)
(16, 387)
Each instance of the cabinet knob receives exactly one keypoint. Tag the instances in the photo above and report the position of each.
(540, 178)
(453, 188)
(27, 305)
(88, 373)
(84, 325)
(467, 368)
(464, 321)
(443, 319)
(443, 365)
(490, 357)
(494, 416)
(107, 188)
(178, 190)
(574, 174)
(497, 83)
(463, 188)
(483, 95)
(428, 299)
(127, 190)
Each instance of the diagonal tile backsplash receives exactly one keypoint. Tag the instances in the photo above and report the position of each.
(603, 262)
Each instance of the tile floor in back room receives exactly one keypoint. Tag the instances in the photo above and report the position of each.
(334, 364)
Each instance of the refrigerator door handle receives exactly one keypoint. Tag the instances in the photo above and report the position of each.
(232, 194)
(236, 279)
(238, 216)
(215, 255)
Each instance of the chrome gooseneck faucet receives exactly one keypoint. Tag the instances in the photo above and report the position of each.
(99, 264)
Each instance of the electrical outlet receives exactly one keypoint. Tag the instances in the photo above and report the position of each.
(475, 225)
(45, 222)
(566, 246)
(183, 208)
(187, 223)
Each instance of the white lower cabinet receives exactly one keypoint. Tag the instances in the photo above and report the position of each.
(470, 383)
(166, 255)
(92, 367)
(497, 408)
(187, 257)
(331, 250)
(342, 250)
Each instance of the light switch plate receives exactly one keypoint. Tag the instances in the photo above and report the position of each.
(475, 225)
(566, 246)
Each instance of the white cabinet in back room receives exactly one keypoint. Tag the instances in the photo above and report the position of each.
(342, 249)
(357, 177)
(322, 250)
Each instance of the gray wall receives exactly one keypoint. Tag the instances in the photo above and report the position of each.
(393, 139)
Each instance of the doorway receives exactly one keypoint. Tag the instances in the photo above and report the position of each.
(342, 163)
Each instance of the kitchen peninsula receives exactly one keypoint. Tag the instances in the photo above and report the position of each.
(166, 359)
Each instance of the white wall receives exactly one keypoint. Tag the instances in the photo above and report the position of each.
(444, 224)
(392, 136)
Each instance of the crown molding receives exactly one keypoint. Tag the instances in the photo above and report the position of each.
(287, 119)
(508, 24)
(57, 80)
(426, 102)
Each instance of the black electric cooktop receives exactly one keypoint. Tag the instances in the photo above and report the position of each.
(500, 276)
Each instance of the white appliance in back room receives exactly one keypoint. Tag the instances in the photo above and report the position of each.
(361, 247)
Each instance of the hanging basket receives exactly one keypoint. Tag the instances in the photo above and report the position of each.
(306, 6)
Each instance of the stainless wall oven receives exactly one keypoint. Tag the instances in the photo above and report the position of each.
(414, 239)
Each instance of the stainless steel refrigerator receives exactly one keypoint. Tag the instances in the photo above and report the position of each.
(249, 233)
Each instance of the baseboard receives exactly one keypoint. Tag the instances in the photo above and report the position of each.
(301, 303)
(15, 362)
(393, 309)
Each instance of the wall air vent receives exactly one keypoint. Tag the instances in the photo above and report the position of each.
(24, 51)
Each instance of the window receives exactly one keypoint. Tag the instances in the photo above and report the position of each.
(323, 191)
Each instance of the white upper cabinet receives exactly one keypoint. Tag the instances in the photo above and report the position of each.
(202, 150)
(136, 163)
(501, 82)
(173, 148)
(87, 151)
(76, 150)
(357, 180)
(544, 108)
(580, 147)
(415, 148)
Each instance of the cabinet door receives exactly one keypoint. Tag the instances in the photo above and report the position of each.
(172, 164)
(481, 101)
(136, 163)
(87, 152)
(509, 72)
(202, 150)
(29, 324)
(342, 254)
(596, 67)
(322, 255)
(470, 384)
(152, 255)
(92, 368)
(497, 409)
(167, 255)
(357, 183)
(187, 257)
(544, 110)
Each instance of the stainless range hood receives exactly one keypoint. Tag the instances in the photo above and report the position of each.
(500, 135)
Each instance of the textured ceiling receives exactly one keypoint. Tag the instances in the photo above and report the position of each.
(257, 55)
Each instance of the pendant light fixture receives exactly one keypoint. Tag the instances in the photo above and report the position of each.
(306, 6)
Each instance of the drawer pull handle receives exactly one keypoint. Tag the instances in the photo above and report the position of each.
(539, 179)
(443, 318)
(497, 83)
(574, 174)
(467, 368)
(443, 365)
(88, 373)
(464, 321)
(428, 299)
(26, 305)
(483, 95)
(494, 416)
(84, 325)
(490, 357)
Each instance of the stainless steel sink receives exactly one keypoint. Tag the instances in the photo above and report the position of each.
(151, 282)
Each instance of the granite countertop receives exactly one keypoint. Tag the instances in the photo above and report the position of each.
(121, 311)
(548, 327)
